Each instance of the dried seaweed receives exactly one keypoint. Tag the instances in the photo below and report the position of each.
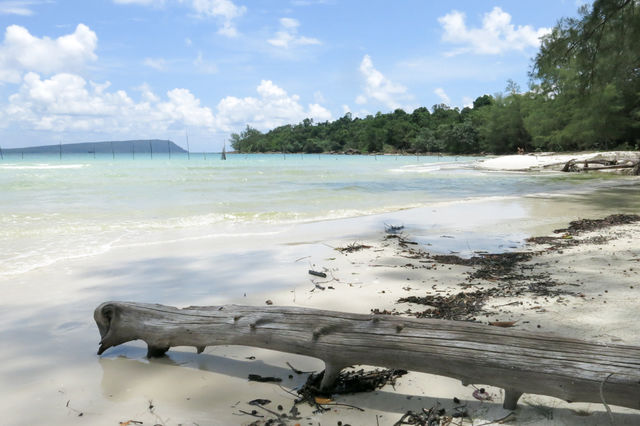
(585, 225)
(460, 306)
(434, 416)
(348, 382)
(353, 247)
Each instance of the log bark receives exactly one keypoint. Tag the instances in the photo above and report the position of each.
(514, 360)
(572, 166)
(615, 166)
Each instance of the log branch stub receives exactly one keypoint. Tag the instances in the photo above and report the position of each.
(514, 360)
(331, 373)
(157, 351)
(511, 398)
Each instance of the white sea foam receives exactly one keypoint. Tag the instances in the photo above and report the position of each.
(432, 167)
(35, 259)
(42, 166)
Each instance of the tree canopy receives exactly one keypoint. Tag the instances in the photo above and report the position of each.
(584, 94)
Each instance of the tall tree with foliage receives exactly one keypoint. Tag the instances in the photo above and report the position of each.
(588, 68)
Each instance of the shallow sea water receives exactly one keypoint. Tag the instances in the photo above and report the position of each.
(61, 208)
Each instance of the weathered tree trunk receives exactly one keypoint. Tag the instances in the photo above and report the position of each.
(572, 166)
(609, 167)
(514, 360)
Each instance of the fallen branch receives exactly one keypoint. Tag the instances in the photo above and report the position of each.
(514, 360)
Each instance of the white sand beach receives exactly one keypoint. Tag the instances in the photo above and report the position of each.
(550, 160)
(50, 373)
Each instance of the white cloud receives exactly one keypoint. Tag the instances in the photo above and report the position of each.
(497, 34)
(319, 113)
(380, 88)
(66, 103)
(443, 96)
(467, 102)
(20, 51)
(288, 36)
(17, 7)
(273, 107)
(225, 10)
(158, 64)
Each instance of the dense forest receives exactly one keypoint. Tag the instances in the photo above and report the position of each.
(584, 93)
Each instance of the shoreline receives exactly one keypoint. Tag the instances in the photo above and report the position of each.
(50, 337)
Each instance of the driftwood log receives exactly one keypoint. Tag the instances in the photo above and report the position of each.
(514, 360)
(573, 166)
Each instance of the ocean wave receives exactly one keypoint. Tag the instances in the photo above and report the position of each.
(433, 167)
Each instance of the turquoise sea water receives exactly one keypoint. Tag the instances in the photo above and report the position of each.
(56, 208)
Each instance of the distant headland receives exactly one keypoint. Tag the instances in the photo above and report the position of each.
(117, 147)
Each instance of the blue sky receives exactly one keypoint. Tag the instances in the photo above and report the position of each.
(78, 70)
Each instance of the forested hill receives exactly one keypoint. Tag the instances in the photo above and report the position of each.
(132, 146)
(584, 94)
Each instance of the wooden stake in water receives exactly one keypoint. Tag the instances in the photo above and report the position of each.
(151, 149)
(169, 148)
(113, 154)
(1, 155)
(133, 151)
(188, 150)
(60, 148)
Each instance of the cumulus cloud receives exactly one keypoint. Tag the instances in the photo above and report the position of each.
(288, 36)
(20, 51)
(66, 102)
(225, 10)
(271, 108)
(380, 88)
(443, 96)
(497, 34)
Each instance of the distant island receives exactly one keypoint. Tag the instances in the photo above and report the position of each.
(116, 147)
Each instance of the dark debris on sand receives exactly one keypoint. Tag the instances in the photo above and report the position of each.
(434, 416)
(586, 225)
(577, 227)
(508, 274)
(348, 382)
(460, 306)
(353, 247)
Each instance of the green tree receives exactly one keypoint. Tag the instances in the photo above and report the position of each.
(589, 65)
